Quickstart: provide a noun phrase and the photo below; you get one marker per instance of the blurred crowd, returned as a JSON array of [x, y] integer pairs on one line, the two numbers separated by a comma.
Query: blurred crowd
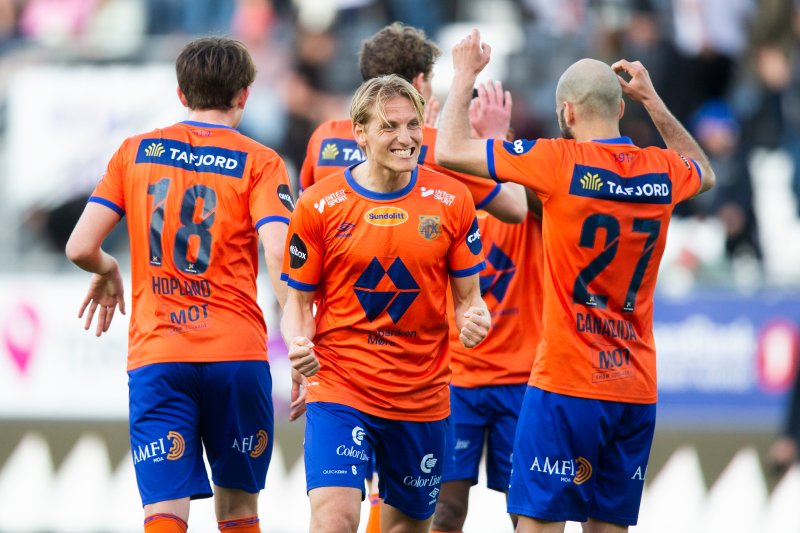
[[728, 69]]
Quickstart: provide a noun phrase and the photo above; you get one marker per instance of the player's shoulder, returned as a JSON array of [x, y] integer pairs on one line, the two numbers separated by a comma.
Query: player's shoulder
[[432, 179], [342, 128], [333, 183]]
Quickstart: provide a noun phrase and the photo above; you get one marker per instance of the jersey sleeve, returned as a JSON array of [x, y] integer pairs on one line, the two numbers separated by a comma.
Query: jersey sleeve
[[533, 163], [685, 175], [271, 197], [305, 252], [465, 256], [110, 191]]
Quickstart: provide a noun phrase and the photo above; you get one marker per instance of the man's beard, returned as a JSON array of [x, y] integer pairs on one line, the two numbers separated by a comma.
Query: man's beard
[[566, 131]]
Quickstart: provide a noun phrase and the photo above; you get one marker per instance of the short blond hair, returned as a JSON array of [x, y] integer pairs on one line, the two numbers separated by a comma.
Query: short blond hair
[[376, 92]]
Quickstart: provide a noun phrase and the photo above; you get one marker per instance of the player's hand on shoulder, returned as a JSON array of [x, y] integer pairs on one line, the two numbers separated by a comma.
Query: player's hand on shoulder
[[106, 293], [431, 114], [490, 111], [302, 356], [639, 87], [470, 55], [476, 326]]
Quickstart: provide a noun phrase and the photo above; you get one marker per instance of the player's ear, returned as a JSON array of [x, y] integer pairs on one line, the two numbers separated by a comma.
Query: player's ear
[[182, 97], [569, 113], [241, 98], [621, 109], [417, 81], [360, 133]]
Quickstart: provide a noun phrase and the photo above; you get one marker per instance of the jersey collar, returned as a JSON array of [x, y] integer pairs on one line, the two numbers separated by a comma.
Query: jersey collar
[[615, 140], [380, 196], [206, 125]]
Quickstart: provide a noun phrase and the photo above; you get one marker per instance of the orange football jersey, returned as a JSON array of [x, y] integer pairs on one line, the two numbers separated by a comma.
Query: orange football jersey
[[195, 195], [511, 286], [332, 147], [380, 265], [607, 206]]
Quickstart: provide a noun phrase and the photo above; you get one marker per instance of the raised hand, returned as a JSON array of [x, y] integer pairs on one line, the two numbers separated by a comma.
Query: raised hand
[[639, 87], [470, 55], [490, 112]]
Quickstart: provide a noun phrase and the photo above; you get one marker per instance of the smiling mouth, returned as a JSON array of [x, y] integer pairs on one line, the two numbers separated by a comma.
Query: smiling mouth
[[405, 152]]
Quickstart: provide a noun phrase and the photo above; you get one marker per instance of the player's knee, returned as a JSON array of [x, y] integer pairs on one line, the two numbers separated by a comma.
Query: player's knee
[[451, 512], [330, 519]]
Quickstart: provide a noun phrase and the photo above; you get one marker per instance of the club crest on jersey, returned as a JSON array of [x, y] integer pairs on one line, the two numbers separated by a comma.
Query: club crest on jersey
[[429, 227], [386, 216], [602, 184], [339, 153], [212, 159]]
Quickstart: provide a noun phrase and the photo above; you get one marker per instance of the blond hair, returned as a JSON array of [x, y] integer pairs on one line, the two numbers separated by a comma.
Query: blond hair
[[374, 93]]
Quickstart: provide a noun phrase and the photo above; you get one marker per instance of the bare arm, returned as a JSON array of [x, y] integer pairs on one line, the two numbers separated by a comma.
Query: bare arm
[[510, 204], [273, 238], [298, 328], [106, 289], [472, 316], [455, 148], [675, 136]]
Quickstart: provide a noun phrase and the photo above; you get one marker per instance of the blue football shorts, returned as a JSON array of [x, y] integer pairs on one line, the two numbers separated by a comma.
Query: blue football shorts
[[483, 415], [577, 458], [176, 409], [340, 440]]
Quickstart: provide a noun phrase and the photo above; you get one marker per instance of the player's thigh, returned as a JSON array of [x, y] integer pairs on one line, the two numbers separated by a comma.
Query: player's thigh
[[468, 420], [620, 482], [238, 423], [505, 403], [337, 446], [165, 403], [409, 458], [335, 509], [556, 449]]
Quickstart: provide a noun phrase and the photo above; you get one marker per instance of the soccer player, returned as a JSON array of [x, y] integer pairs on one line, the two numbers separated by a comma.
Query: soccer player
[[489, 381], [375, 249], [198, 196], [588, 416], [408, 53]]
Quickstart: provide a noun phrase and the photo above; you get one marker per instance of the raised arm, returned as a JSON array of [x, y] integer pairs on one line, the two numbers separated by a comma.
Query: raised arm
[[640, 89], [455, 148], [472, 316]]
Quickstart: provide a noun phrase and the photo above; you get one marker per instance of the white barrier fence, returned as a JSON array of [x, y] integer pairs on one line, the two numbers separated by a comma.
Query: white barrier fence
[[86, 495]]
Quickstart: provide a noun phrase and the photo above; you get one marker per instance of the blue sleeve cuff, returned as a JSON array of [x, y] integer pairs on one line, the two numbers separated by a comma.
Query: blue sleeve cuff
[[699, 172], [267, 220], [490, 158], [489, 197], [109, 204], [284, 276], [300, 286], [468, 271]]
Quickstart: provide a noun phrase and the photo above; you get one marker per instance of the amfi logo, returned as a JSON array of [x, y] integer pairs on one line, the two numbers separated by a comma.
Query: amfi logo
[[591, 182], [155, 150], [178, 446], [395, 302], [331, 151]]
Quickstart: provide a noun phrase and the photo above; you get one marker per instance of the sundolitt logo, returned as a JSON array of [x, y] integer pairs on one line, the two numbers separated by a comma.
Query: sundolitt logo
[[386, 216]]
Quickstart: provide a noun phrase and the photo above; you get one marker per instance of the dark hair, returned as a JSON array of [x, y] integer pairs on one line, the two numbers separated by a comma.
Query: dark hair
[[398, 49], [212, 70]]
